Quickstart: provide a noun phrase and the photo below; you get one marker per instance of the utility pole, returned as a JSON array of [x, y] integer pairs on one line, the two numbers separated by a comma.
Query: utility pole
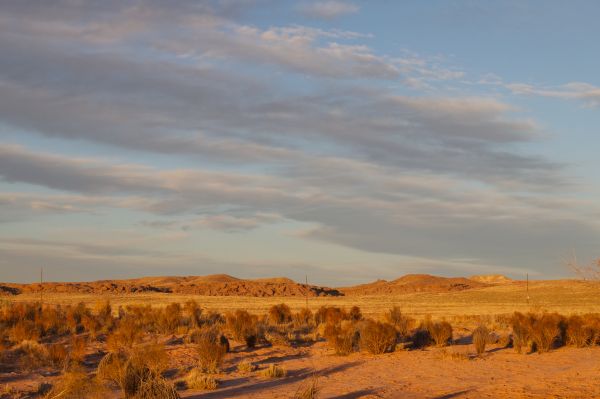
[[41, 287], [306, 281], [527, 288]]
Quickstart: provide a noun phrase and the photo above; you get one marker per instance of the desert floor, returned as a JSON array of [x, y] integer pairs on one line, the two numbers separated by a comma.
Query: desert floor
[[450, 372]]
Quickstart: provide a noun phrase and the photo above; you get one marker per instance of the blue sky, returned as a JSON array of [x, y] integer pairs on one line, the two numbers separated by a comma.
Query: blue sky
[[346, 140]]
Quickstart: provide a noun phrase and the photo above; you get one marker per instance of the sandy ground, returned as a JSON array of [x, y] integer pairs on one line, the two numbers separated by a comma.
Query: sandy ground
[[451, 372]]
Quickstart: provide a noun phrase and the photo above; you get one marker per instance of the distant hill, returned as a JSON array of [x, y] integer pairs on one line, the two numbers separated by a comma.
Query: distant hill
[[226, 285], [493, 279], [211, 285], [414, 283]]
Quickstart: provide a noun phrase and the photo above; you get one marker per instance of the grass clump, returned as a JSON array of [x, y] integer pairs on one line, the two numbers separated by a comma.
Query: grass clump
[[309, 390], [480, 338], [156, 387], [280, 314], [246, 366], [440, 332], [274, 371], [197, 380], [403, 324], [75, 384], [210, 350]]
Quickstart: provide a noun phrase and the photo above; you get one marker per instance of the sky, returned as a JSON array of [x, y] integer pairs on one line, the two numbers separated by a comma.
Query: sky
[[345, 141]]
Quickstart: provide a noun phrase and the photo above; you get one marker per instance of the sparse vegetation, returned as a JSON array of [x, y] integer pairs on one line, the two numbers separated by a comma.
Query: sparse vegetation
[[440, 332], [197, 380], [480, 338], [274, 371]]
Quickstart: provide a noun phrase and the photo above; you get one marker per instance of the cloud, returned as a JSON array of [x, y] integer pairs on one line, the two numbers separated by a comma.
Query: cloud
[[328, 9], [585, 92]]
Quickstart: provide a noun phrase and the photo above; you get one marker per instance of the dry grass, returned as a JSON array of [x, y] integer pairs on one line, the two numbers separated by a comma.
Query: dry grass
[[308, 390], [246, 366], [197, 380], [481, 336], [274, 371], [440, 332], [75, 384], [210, 351], [156, 387]]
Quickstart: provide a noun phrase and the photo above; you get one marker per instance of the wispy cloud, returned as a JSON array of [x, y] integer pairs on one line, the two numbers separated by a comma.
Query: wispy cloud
[[328, 9]]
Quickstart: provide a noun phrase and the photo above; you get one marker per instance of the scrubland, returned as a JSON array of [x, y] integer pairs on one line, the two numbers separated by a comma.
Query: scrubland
[[476, 343]]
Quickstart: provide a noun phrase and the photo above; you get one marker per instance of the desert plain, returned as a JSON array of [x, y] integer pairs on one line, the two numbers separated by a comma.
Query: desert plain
[[303, 339]]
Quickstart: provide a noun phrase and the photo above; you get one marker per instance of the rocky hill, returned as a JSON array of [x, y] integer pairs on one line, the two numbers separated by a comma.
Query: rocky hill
[[414, 283], [212, 285]]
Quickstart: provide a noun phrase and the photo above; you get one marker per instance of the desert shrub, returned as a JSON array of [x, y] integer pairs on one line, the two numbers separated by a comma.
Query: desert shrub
[[330, 315], [246, 366], [440, 332], [276, 338], [31, 355], [57, 355], [280, 314], [343, 338], [170, 318], [421, 338], [579, 333], [127, 334], [75, 384], [274, 371], [77, 349], [103, 310], [243, 327], [480, 338], [111, 368], [130, 371], [23, 330], [195, 379], [192, 313], [403, 324], [303, 318], [309, 390], [545, 330], [210, 351], [91, 325], [377, 337], [521, 331], [355, 314], [156, 387]]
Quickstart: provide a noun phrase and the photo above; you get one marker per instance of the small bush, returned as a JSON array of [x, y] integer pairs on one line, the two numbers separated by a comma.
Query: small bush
[[156, 387], [280, 314], [309, 390], [32, 355], [377, 337], [342, 338], [440, 332], [274, 371], [480, 338], [579, 333], [355, 314], [77, 349], [75, 384], [246, 366], [57, 355], [545, 331], [521, 331], [421, 338], [196, 380], [403, 324], [127, 334], [243, 327], [210, 351]]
